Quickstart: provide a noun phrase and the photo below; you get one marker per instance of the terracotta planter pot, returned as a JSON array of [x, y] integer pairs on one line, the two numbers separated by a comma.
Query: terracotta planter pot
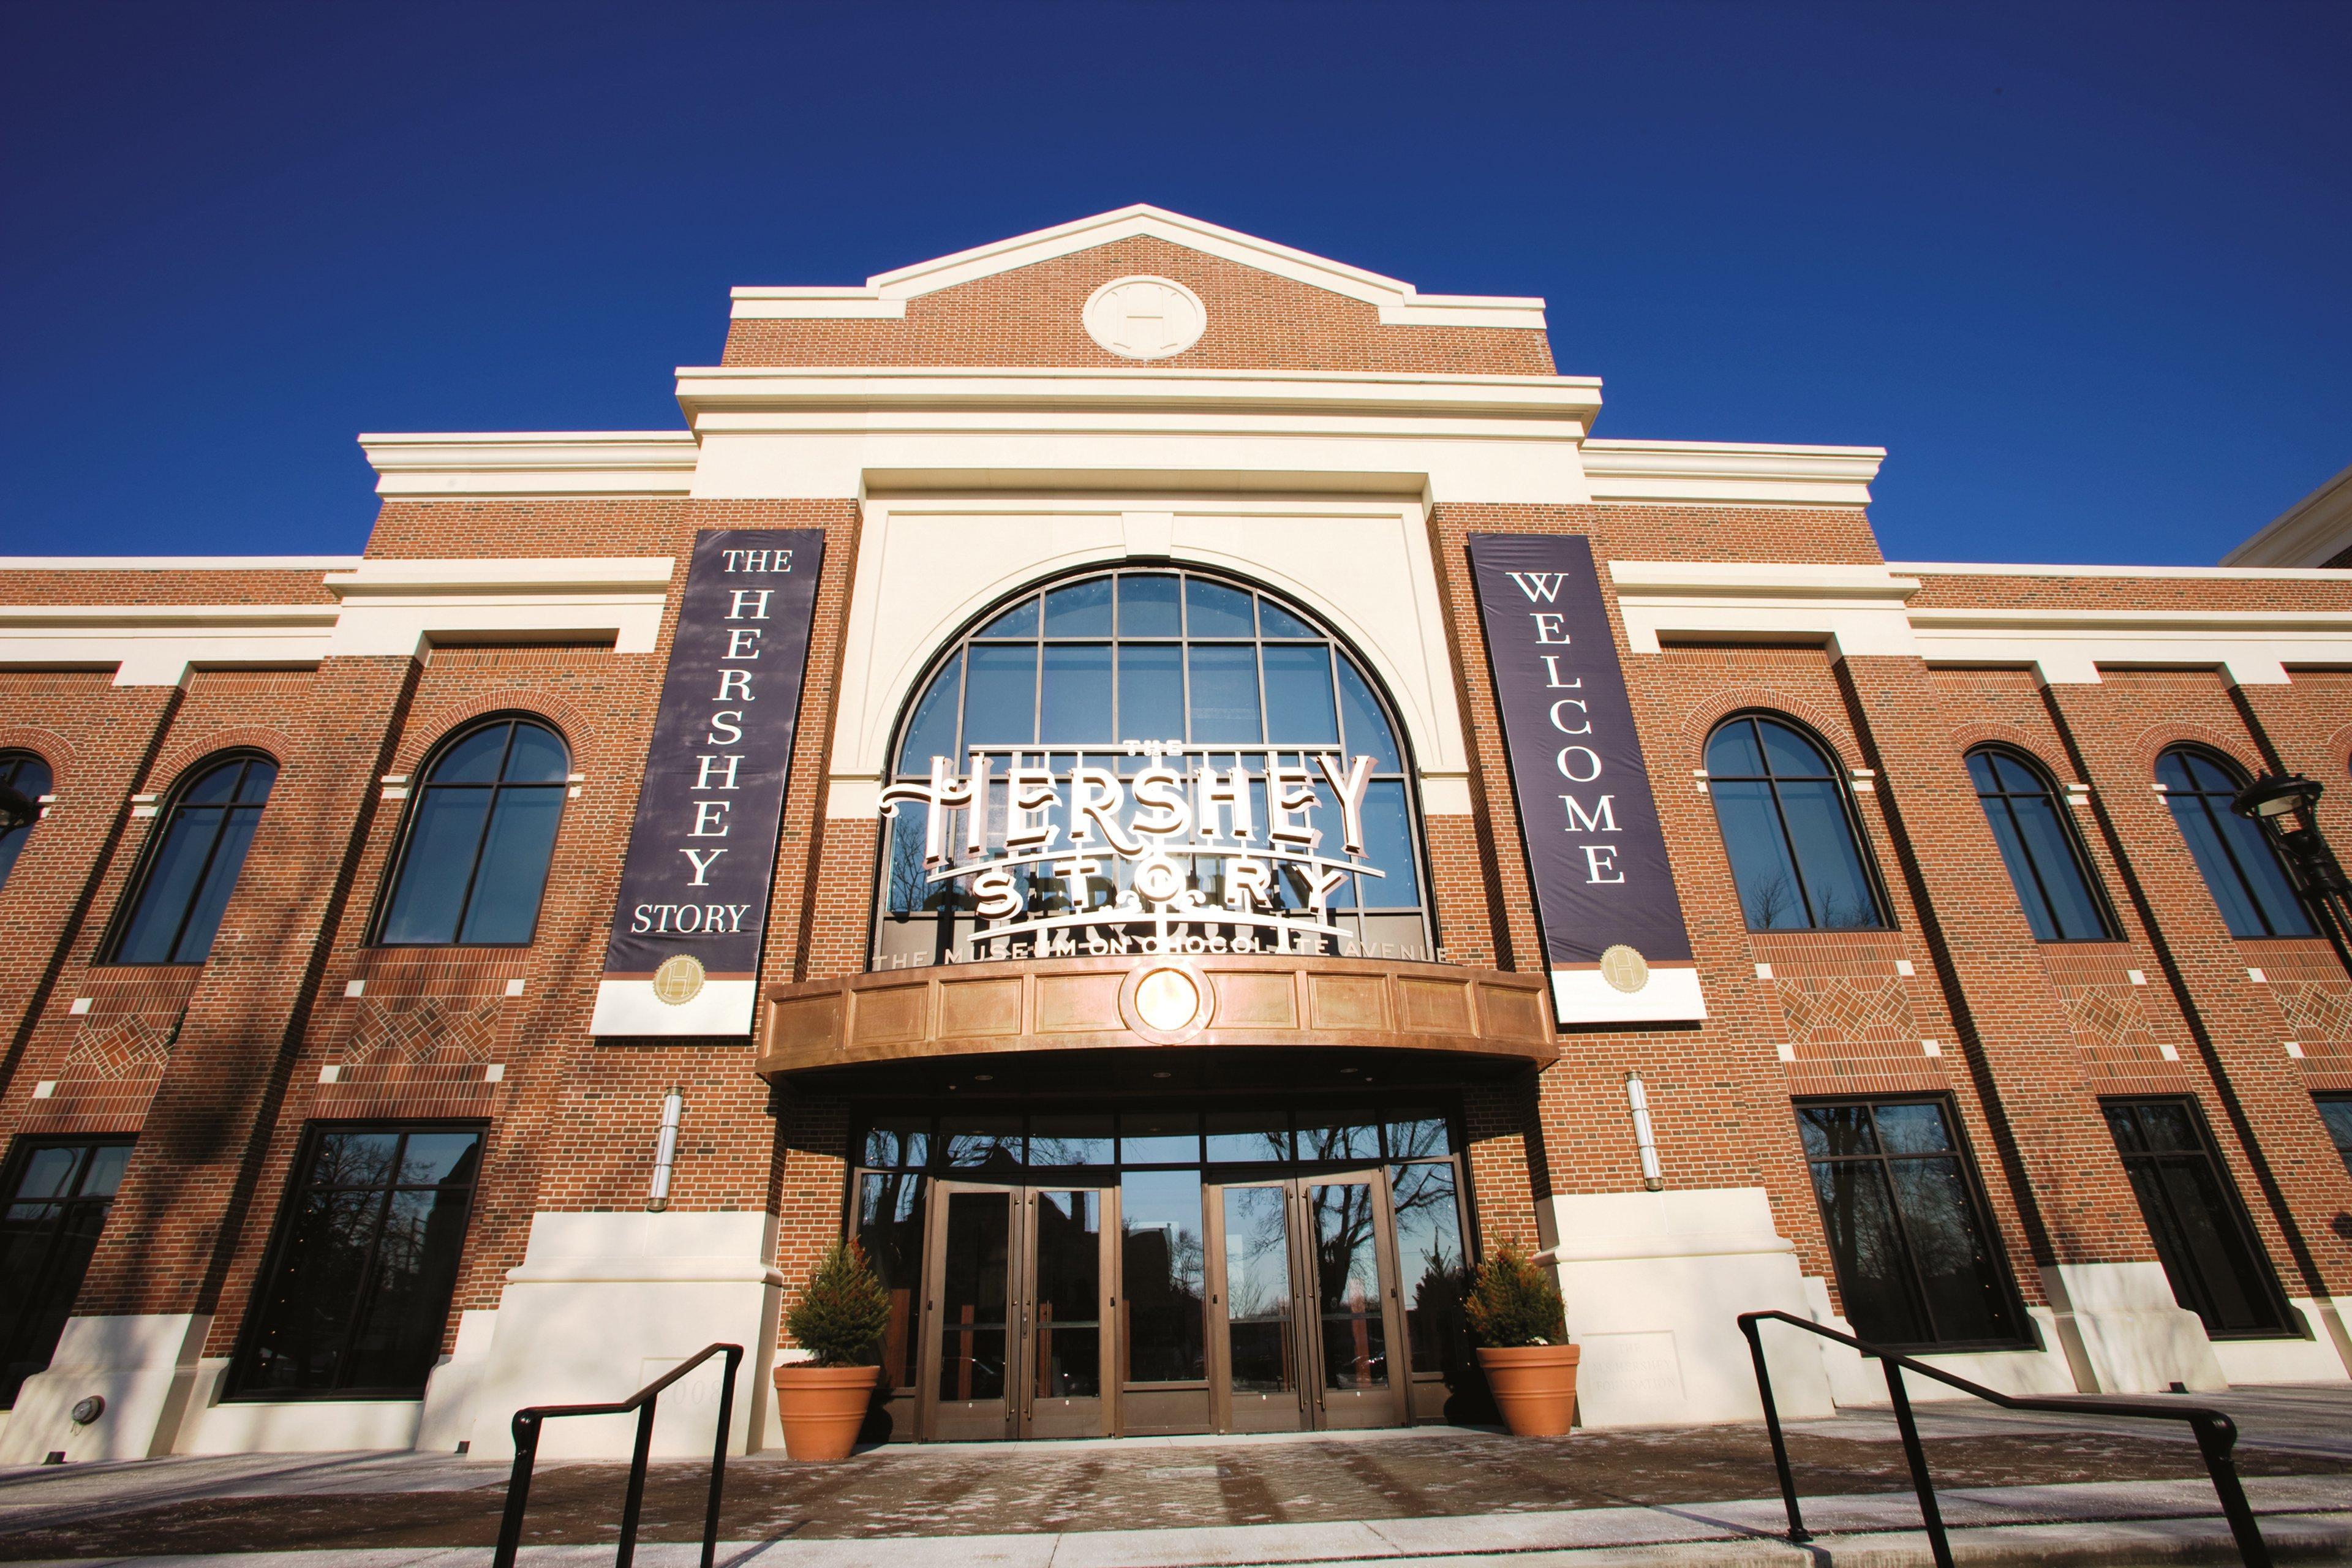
[[1535, 1386], [821, 1407]]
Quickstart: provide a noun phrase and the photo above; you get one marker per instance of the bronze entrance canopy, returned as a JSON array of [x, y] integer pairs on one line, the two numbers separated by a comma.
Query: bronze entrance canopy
[[1258, 1001]]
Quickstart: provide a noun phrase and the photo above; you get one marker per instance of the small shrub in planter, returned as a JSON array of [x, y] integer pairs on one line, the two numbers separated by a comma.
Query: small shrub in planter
[[839, 1320], [1515, 1315]]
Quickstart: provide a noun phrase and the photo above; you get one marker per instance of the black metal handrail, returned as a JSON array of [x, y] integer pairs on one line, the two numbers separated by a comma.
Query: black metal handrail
[[528, 1419], [2216, 1434]]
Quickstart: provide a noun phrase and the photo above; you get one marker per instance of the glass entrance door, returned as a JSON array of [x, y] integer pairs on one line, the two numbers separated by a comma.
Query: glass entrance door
[[1304, 1304], [1014, 1340]]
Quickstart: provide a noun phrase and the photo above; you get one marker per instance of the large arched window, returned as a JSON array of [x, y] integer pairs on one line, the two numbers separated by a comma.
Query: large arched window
[[191, 866], [29, 776], [2039, 845], [1789, 827], [1153, 655], [2240, 868], [474, 860]]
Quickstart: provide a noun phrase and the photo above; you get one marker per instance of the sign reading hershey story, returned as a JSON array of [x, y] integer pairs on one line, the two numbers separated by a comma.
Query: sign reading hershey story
[[684, 954], [1613, 927]]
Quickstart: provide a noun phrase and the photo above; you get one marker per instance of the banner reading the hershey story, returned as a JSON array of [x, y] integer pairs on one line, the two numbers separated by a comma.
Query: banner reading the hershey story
[[1605, 898], [693, 907]]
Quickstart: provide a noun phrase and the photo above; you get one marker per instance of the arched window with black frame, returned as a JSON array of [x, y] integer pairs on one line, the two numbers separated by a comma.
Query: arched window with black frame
[[1790, 828], [481, 835], [27, 778], [192, 862], [2041, 848], [2241, 868], [1153, 654]]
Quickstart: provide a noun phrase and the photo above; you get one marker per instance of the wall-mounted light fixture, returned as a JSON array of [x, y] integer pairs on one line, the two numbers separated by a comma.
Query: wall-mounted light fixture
[[665, 1152], [2287, 808], [1637, 1099]]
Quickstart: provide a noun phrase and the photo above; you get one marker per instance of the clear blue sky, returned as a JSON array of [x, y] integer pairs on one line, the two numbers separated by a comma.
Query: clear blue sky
[[2085, 271]]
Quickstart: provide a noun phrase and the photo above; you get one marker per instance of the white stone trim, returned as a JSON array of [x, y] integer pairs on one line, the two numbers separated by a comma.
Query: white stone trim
[[447, 466], [885, 294], [1730, 473], [2194, 574], [926, 565], [155, 644], [1857, 610], [2309, 532], [177, 563], [2068, 646], [399, 608]]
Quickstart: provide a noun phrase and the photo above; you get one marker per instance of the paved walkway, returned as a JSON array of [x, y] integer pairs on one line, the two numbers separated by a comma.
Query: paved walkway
[[2116, 1492]]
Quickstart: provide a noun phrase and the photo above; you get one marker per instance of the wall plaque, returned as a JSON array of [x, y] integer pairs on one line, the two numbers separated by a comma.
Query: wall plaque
[[684, 954], [1612, 925]]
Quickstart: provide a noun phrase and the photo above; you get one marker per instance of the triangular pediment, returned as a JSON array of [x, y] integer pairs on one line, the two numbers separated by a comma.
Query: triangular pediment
[[884, 296]]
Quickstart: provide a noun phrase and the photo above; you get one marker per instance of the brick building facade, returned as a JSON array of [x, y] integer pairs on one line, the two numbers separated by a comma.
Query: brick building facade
[[2046, 1101]]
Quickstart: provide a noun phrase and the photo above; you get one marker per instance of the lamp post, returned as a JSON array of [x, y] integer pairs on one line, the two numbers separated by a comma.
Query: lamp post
[[2285, 808]]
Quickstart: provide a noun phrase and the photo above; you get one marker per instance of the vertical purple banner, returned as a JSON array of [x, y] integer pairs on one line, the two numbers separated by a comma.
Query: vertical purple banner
[[1612, 925], [693, 909]]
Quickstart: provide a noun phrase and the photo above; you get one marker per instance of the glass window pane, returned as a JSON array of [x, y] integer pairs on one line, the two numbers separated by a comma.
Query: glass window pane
[[2014, 776], [1147, 607], [1080, 610], [2013, 858], [1258, 1290], [1224, 693], [171, 885], [932, 732], [1348, 1285], [259, 774], [1214, 610], [1769, 895], [355, 1160], [1160, 1237], [430, 1159], [1367, 732], [1388, 844], [1431, 1271], [2213, 1247], [2074, 906], [1916, 1129], [1299, 704], [900, 1142], [1068, 1284], [308, 1307], [1837, 886], [1160, 1137], [2172, 772], [1980, 770], [2267, 879], [1859, 1218], [1077, 692], [1836, 1129], [1019, 621], [474, 760], [433, 874], [1966, 1298], [47, 1172], [195, 941], [1000, 696], [505, 905], [975, 1296], [1341, 1137], [2335, 1111], [983, 1142], [1731, 752], [104, 1174], [1274, 621], [1071, 1140], [1152, 693], [1412, 1135], [397, 1336], [1243, 1136], [214, 786], [2238, 909], [2125, 1128], [2206, 774], [536, 757], [890, 1231], [1789, 756], [2167, 1124]]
